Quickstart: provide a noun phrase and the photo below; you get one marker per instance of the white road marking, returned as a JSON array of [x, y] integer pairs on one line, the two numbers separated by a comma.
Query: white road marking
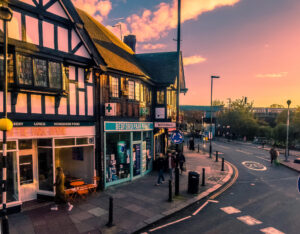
[[263, 159], [200, 208], [249, 220], [224, 147], [271, 230], [254, 165], [214, 201], [230, 210], [245, 152], [168, 224]]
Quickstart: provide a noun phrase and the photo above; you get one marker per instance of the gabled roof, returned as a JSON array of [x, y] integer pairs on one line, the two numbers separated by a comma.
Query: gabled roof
[[163, 67], [116, 54]]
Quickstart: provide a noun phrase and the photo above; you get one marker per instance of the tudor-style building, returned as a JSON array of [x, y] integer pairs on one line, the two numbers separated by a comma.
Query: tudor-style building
[[51, 96]]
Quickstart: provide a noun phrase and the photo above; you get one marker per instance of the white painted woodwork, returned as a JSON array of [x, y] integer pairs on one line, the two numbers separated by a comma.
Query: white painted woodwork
[[80, 78], [15, 26], [32, 32], [36, 104], [57, 9], [48, 35], [62, 39], [62, 110], [50, 105], [72, 88], [90, 100], [82, 52], [8, 102], [29, 2], [81, 102], [72, 75], [74, 39], [21, 106]]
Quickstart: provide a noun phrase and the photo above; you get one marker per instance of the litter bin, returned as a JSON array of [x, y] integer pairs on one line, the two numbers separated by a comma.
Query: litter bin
[[193, 182]]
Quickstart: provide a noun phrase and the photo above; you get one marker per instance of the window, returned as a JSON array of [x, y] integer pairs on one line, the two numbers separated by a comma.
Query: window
[[137, 91], [114, 87], [26, 172], [10, 68], [55, 75], [142, 93], [40, 72], [131, 90], [160, 97], [24, 70]]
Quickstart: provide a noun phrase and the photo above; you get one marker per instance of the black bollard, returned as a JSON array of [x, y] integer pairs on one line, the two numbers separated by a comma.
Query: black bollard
[[176, 181], [110, 215], [203, 176], [198, 148], [217, 156], [170, 191], [222, 164]]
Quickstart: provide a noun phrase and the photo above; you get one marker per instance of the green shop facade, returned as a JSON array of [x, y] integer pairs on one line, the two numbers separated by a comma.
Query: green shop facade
[[128, 150]]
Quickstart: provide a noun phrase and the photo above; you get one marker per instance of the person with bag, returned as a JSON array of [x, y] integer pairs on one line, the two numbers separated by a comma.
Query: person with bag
[[273, 154], [160, 163]]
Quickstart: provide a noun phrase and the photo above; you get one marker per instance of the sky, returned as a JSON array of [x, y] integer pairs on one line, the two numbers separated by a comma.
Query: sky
[[253, 45]]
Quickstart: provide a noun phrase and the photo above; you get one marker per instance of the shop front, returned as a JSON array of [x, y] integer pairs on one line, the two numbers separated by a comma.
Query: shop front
[[34, 153], [128, 150]]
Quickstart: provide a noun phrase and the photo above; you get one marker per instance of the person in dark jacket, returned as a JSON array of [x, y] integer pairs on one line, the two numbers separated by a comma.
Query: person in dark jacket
[[181, 161], [160, 163], [60, 196], [273, 154], [191, 144]]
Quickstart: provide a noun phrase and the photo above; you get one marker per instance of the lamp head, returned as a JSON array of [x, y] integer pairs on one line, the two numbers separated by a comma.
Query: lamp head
[[289, 102], [5, 13], [215, 77]]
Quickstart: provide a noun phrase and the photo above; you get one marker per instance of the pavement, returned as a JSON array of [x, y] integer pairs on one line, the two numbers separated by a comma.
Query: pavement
[[137, 204]]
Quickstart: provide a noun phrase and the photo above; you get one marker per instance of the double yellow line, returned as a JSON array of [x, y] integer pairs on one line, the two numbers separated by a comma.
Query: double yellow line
[[236, 175]]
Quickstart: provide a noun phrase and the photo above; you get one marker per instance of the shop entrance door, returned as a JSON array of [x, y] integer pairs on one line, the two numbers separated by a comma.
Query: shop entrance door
[[136, 158], [28, 180]]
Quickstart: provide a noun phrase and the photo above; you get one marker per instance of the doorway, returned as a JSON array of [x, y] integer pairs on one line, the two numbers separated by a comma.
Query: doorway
[[136, 158]]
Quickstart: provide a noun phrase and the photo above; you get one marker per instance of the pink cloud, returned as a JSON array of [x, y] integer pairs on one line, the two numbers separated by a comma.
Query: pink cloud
[[156, 24], [272, 75], [195, 59], [153, 46]]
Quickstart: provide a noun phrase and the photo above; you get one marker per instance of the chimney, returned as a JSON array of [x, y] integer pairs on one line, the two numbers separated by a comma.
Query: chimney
[[130, 40]]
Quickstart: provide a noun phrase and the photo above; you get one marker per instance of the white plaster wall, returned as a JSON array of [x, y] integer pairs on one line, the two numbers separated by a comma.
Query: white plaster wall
[[62, 34], [45, 2], [15, 26], [72, 75], [30, 2], [80, 78], [90, 100], [62, 110], [32, 32], [81, 103], [74, 39], [90, 78], [36, 104], [57, 10], [48, 35], [50, 105], [82, 52], [21, 106], [72, 88]]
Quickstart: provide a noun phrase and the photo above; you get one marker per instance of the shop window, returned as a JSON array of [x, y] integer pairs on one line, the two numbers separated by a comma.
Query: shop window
[[45, 169], [82, 141], [117, 156], [160, 97], [11, 145], [131, 90], [44, 142], [114, 87], [25, 144], [137, 91], [136, 136], [26, 172], [64, 142]]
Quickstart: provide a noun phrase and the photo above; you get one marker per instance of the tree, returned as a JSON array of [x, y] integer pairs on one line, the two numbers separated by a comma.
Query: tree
[[276, 106], [218, 103]]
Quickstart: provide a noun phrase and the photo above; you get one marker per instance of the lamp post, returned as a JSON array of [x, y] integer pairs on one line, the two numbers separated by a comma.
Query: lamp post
[[5, 123], [287, 131], [211, 94]]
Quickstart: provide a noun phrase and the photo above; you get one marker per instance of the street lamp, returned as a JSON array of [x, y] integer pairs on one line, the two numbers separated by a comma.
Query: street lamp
[[5, 124], [211, 94], [287, 131]]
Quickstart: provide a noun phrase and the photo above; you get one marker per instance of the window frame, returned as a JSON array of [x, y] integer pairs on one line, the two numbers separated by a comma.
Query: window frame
[[114, 93]]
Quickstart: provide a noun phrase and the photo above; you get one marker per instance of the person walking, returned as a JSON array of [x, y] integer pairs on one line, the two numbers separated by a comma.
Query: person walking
[[192, 144], [171, 164], [160, 163], [60, 196], [273, 154], [181, 160]]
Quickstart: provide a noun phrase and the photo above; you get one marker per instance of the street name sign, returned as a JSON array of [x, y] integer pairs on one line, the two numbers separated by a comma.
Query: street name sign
[[164, 124]]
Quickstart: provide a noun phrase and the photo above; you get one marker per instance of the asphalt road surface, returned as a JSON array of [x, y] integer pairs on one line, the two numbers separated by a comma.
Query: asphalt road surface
[[264, 199]]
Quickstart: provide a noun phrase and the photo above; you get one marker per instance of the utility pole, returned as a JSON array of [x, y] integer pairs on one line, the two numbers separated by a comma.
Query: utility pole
[[178, 69], [287, 131]]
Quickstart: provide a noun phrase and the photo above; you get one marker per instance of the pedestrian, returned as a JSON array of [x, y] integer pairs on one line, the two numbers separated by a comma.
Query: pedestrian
[[160, 163], [273, 154], [192, 144], [60, 196], [171, 164], [181, 159]]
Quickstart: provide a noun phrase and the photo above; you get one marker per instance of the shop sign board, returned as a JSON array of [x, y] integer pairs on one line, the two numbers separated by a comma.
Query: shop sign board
[[110, 109], [51, 124], [160, 113], [164, 124], [177, 137], [127, 126]]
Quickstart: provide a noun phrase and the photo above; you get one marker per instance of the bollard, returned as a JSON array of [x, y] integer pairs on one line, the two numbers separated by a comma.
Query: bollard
[[222, 164], [203, 176], [170, 191], [198, 148], [217, 156], [5, 226], [176, 181], [110, 215]]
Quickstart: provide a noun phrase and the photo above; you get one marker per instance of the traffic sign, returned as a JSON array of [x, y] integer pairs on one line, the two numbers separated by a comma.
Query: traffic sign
[[177, 137]]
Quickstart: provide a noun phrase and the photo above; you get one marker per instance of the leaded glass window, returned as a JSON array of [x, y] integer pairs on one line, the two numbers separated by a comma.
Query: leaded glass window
[[114, 87], [24, 70], [131, 90], [40, 72], [137, 91], [55, 75]]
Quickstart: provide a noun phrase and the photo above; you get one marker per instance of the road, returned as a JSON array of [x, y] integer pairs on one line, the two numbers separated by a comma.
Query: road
[[264, 199]]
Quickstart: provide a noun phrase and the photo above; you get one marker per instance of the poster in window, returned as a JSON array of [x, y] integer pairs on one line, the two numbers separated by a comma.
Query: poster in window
[[24, 70], [40, 72], [55, 75]]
